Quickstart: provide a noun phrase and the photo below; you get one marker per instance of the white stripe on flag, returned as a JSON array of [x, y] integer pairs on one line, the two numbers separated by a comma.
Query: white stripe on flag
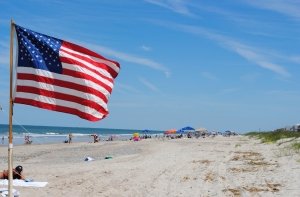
[[88, 64], [72, 92], [58, 102], [107, 62], [88, 72], [45, 73]]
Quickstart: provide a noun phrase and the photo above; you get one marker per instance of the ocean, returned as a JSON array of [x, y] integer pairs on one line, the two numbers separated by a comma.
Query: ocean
[[55, 134]]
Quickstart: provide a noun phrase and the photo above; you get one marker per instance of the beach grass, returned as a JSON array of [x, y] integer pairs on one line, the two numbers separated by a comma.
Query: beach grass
[[274, 136], [296, 146], [237, 145]]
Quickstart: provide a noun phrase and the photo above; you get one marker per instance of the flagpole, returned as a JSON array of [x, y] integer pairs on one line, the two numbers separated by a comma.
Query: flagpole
[[10, 138]]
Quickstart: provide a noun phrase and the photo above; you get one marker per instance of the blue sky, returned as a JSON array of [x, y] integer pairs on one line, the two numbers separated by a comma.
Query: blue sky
[[216, 64]]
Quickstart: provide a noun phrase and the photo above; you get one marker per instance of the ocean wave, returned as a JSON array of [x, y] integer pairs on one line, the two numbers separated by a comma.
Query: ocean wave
[[52, 133]]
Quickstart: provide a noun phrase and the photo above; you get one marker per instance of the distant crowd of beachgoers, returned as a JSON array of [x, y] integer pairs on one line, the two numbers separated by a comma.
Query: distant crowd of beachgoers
[[95, 138]]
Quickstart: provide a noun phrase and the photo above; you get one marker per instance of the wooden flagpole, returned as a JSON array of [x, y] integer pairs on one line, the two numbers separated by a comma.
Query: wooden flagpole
[[10, 139]]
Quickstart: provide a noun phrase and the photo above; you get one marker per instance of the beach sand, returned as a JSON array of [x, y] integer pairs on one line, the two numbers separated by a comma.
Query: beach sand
[[219, 166]]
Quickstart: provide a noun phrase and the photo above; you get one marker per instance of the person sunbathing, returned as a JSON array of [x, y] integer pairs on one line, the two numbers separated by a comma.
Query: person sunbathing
[[17, 173]]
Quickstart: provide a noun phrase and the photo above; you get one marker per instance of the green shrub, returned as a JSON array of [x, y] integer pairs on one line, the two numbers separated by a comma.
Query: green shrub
[[273, 136]]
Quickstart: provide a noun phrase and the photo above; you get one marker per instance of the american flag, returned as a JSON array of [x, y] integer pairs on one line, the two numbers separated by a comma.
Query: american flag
[[61, 76]]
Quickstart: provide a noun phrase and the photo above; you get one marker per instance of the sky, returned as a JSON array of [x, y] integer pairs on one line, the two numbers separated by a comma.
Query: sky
[[221, 65]]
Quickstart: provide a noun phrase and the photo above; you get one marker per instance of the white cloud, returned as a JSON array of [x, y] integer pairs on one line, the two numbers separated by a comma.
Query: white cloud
[[131, 58], [256, 56], [287, 7], [146, 48], [291, 58], [295, 59], [149, 85], [178, 6], [125, 88]]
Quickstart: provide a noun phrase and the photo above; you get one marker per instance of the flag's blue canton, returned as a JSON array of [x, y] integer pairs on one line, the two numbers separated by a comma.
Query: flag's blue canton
[[38, 50]]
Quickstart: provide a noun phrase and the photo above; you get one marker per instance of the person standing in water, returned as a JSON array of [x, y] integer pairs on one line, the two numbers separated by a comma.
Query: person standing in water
[[70, 138]]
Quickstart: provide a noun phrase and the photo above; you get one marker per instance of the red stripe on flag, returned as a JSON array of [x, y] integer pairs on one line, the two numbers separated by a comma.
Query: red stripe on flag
[[62, 96], [91, 61], [74, 62], [57, 108], [87, 77], [61, 83], [81, 49]]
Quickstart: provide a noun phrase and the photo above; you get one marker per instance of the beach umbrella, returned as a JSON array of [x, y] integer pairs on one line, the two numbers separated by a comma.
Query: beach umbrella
[[136, 134], [170, 131], [185, 129], [188, 129], [180, 131]]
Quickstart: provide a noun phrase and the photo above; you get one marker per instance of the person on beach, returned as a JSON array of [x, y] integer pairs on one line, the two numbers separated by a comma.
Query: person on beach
[[17, 173], [70, 138], [95, 137], [2, 139], [27, 139]]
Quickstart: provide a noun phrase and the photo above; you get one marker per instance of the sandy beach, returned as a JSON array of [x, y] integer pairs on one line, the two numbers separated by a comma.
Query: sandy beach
[[219, 166]]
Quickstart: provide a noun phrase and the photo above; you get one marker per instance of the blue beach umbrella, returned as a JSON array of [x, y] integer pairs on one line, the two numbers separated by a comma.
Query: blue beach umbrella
[[180, 131], [184, 129], [188, 129]]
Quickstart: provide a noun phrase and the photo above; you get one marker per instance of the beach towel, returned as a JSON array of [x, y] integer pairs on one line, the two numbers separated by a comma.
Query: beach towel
[[4, 192], [22, 183], [89, 159]]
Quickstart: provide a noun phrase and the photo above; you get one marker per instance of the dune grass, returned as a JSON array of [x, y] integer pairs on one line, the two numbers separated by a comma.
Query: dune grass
[[273, 136], [296, 146]]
